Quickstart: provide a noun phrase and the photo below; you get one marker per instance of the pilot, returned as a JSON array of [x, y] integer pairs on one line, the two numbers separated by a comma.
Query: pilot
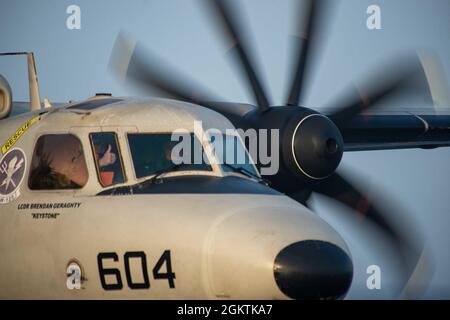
[[171, 160], [162, 159], [168, 152], [106, 159]]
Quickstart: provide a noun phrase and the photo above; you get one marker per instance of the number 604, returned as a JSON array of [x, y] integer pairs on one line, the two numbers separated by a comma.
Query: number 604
[[132, 284]]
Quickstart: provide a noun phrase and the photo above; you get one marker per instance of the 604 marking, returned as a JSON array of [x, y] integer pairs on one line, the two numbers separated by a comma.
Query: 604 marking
[[165, 259]]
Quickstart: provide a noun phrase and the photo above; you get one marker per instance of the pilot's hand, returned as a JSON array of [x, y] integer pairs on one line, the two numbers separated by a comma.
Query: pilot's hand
[[108, 158]]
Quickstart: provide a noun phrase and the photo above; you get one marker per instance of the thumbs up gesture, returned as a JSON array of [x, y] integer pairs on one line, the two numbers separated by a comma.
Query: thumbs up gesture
[[108, 158]]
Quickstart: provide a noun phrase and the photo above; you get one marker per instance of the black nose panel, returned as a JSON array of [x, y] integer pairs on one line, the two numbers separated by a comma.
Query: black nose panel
[[313, 269]]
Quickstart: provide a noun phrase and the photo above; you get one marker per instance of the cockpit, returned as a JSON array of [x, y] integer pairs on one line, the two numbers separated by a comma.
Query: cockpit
[[67, 161]]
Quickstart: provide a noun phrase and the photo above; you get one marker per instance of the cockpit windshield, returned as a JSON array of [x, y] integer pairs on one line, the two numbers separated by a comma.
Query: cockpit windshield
[[232, 155], [155, 152]]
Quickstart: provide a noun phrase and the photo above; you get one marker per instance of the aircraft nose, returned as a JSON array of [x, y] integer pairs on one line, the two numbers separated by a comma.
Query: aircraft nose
[[313, 269]]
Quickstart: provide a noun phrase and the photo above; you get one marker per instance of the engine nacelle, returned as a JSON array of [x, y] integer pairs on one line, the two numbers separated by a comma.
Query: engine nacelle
[[5, 98], [311, 146]]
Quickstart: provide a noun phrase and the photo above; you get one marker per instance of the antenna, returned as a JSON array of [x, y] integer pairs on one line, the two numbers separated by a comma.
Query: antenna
[[33, 84]]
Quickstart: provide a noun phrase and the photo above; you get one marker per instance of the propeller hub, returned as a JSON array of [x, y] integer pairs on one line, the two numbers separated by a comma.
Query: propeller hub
[[332, 146], [317, 146]]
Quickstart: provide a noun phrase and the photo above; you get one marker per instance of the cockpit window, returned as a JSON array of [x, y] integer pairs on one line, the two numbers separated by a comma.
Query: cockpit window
[[58, 163], [153, 153], [232, 154], [93, 104], [107, 158]]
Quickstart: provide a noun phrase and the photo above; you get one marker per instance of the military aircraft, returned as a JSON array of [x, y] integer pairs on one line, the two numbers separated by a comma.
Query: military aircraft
[[138, 234], [93, 207]]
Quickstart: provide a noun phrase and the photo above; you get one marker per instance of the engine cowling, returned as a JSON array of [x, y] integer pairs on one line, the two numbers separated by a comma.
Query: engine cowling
[[311, 145], [5, 98], [316, 147]]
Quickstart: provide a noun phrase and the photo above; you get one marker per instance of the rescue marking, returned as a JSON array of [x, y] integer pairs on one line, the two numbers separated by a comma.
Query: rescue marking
[[16, 136]]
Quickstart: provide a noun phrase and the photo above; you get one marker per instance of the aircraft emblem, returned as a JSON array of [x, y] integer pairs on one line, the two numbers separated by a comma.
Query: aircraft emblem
[[12, 170]]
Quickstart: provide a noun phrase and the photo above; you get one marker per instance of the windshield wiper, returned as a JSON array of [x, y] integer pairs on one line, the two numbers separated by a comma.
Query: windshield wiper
[[159, 173], [247, 173]]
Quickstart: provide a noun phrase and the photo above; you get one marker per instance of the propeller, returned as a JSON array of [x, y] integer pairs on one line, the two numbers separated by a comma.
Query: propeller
[[308, 32], [388, 81], [135, 63], [311, 143], [231, 30], [409, 252]]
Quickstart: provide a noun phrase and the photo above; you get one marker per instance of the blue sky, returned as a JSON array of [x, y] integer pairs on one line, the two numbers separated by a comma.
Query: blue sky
[[72, 64]]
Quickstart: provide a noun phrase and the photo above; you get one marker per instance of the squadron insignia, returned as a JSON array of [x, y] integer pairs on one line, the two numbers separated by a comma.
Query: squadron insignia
[[12, 171]]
